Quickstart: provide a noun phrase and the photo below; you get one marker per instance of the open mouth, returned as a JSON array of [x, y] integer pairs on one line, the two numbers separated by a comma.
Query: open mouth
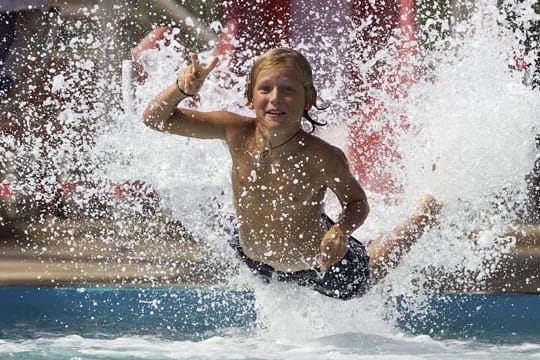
[[276, 113]]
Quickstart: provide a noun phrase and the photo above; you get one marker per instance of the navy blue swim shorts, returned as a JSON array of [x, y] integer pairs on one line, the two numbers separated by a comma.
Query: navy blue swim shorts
[[347, 278]]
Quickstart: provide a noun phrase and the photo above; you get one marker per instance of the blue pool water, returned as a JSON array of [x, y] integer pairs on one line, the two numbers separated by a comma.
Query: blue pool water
[[218, 323], [182, 313]]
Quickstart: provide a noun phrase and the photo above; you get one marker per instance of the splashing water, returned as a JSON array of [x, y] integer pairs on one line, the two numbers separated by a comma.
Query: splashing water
[[472, 121]]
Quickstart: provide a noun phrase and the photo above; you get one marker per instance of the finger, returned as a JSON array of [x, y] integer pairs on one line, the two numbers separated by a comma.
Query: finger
[[332, 254], [325, 262], [205, 70], [211, 65], [195, 62], [190, 78], [326, 255]]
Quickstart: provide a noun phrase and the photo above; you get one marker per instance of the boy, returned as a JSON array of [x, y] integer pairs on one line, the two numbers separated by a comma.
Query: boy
[[280, 175]]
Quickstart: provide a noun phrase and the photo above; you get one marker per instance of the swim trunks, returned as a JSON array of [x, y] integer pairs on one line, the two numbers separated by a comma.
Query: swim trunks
[[347, 278]]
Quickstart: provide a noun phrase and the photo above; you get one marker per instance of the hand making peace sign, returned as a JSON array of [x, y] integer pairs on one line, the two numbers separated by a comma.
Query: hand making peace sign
[[191, 78]]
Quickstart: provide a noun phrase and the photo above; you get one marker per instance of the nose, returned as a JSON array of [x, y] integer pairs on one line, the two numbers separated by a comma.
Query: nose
[[275, 94]]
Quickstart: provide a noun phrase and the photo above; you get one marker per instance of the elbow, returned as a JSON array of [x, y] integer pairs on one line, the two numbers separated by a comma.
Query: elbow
[[149, 119], [363, 210], [366, 210]]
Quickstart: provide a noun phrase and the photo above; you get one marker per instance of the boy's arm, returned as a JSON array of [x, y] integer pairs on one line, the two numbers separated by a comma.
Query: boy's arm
[[355, 209], [162, 113], [349, 192]]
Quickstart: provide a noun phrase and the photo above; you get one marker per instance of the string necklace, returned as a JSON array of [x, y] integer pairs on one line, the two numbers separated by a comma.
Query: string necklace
[[266, 151]]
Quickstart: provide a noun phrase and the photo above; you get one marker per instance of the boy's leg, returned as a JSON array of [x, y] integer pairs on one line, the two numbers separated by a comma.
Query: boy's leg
[[527, 235], [387, 250]]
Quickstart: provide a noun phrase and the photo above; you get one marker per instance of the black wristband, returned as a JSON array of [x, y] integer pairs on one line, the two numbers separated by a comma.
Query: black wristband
[[182, 91]]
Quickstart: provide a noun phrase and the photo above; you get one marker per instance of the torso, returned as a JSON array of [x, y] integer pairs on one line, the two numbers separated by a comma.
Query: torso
[[276, 199]]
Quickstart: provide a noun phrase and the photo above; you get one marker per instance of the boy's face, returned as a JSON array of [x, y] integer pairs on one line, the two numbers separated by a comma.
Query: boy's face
[[279, 98]]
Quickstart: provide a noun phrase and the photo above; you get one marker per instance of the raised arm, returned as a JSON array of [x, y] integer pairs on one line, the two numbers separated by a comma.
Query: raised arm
[[163, 114]]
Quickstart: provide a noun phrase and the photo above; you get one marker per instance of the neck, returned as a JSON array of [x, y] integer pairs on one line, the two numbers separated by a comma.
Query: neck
[[282, 143]]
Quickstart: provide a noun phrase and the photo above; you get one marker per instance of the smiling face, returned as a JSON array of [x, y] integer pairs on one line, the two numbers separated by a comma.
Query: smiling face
[[285, 70], [279, 98]]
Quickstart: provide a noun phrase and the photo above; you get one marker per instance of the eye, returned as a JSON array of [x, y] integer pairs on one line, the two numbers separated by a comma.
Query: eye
[[289, 89], [264, 89]]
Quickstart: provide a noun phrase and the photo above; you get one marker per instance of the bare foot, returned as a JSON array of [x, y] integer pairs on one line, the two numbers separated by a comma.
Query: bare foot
[[427, 204]]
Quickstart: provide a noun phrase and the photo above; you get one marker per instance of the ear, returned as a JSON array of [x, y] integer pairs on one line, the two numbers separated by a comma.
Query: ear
[[310, 99], [250, 105], [308, 103]]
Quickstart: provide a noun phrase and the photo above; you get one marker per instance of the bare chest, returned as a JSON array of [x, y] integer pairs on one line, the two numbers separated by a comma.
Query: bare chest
[[278, 183]]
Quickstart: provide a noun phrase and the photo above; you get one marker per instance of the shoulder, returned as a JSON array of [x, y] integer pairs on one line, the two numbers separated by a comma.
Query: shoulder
[[330, 161], [326, 152], [332, 168], [240, 128]]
